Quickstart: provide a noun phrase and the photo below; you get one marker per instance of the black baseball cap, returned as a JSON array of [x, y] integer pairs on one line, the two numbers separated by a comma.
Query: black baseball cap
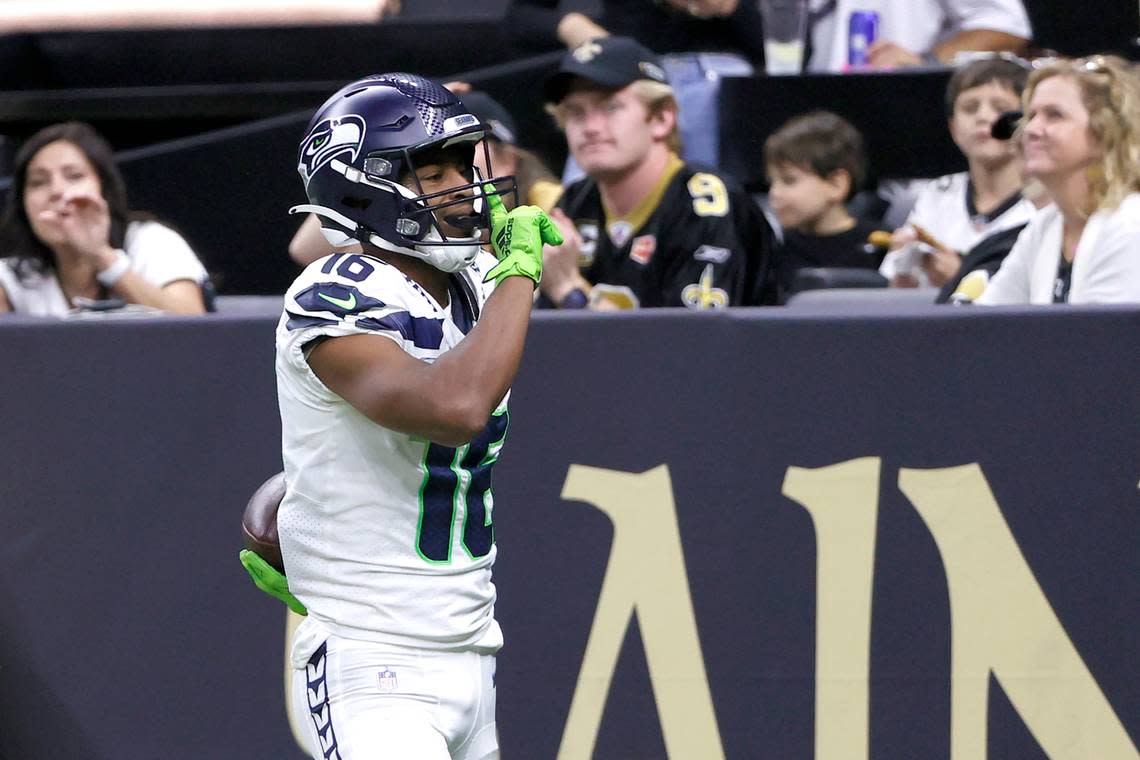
[[492, 113], [608, 61]]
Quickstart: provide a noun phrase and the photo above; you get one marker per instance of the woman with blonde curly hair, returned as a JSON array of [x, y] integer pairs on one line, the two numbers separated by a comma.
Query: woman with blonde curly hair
[[1080, 137]]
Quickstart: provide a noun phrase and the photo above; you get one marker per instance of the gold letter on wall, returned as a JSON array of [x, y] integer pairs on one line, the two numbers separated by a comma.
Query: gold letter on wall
[[843, 501], [1002, 622], [646, 575]]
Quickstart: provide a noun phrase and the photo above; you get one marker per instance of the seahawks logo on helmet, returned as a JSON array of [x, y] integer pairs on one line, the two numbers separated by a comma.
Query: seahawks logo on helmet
[[328, 140]]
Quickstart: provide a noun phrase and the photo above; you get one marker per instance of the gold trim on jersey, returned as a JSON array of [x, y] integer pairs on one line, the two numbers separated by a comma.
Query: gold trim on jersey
[[636, 219]]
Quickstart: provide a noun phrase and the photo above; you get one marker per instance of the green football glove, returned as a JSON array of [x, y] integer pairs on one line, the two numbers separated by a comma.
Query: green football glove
[[266, 578], [517, 239]]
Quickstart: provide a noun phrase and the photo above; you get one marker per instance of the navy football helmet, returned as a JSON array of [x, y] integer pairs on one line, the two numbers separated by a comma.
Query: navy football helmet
[[365, 139]]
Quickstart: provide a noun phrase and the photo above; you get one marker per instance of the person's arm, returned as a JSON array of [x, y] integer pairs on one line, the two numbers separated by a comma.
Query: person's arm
[[86, 223], [941, 263], [1112, 268], [309, 244], [534, 24], [561, 275], [884, 54], [5, 305], [575, 28], [178, 297], [979, 40], [705, 8], [448, 401]]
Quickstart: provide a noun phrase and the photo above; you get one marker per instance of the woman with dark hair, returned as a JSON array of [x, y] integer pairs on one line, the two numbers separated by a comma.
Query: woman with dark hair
[[67, 235]]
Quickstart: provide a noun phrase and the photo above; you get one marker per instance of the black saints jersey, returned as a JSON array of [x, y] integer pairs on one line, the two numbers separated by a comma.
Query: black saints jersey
[[694, 241]]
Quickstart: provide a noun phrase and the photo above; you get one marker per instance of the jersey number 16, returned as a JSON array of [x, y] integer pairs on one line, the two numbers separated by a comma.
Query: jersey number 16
[[459, 476]]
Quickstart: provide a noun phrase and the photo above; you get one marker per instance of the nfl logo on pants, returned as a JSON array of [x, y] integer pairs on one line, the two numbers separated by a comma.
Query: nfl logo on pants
[[387, 678]]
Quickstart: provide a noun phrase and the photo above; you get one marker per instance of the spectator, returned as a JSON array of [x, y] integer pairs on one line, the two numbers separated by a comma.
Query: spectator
[[1080, 138], [982, 261], [309, 243], [70, 237], [702, 41], [918, 32], [536, 184], [952, 214], [643, 228], [815, 164]]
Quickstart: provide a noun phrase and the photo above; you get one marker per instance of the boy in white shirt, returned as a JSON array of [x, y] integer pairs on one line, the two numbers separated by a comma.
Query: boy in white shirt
[[954, 213]]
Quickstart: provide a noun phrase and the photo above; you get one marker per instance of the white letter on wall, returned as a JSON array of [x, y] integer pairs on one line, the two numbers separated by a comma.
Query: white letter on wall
[[1002, 622], [646, 575], [843, 501]]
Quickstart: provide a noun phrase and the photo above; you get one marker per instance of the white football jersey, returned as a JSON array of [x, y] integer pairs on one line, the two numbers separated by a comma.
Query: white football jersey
[[385, 537], [944, 209]]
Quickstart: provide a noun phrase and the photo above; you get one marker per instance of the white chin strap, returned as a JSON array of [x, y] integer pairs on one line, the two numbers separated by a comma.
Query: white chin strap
[[447, 258]]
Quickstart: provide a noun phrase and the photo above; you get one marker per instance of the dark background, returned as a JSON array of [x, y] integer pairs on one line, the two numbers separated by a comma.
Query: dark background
[[129, 629]]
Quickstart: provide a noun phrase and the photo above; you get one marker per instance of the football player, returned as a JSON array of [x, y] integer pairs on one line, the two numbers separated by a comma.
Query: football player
[[644, 228], [393, 370]]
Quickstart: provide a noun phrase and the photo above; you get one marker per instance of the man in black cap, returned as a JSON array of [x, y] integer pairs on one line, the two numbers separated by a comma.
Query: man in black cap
[[643, 228], [701, 42]]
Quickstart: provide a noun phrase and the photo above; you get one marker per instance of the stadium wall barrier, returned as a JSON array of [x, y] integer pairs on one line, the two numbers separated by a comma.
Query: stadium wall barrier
[[754, 534]]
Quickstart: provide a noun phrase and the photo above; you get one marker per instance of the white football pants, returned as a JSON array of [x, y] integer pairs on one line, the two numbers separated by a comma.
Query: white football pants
[[359, 700]]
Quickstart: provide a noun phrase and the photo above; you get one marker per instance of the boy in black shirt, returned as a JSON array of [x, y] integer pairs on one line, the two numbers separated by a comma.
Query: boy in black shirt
[[814, 164]]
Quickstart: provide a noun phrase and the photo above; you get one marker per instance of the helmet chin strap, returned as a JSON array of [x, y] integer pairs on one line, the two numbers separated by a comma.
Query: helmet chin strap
[[447, 258]]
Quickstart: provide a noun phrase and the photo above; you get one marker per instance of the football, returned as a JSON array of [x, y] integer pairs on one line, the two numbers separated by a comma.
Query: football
[[259, 523]]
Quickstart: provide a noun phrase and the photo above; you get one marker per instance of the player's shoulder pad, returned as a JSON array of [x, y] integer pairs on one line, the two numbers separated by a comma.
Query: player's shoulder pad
[[344, 283]]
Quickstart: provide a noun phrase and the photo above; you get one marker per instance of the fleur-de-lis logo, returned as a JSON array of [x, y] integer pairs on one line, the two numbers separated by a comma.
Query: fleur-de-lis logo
[[702, 294], [586, 52]]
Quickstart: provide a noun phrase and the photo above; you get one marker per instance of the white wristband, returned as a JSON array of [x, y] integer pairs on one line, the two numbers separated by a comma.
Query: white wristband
[[112, 274]]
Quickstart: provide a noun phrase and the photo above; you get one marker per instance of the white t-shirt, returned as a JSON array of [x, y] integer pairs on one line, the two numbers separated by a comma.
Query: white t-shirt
[[386, 537], [157, 253], [916, 25], [944, 209], [1106, 267]]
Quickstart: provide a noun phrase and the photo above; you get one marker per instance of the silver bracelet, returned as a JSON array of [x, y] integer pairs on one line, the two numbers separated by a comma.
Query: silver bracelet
[[112, 274]]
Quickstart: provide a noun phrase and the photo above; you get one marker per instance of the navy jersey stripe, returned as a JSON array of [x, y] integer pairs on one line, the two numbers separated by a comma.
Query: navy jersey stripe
[[423, 332], [300, 321], [464, 310]]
